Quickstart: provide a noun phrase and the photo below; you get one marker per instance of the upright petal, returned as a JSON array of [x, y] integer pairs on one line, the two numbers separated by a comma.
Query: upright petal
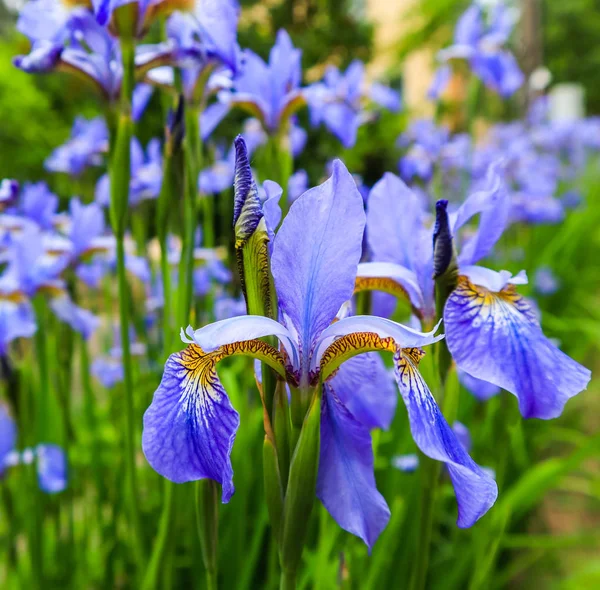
[[495, 336], [393, 214], [475, 490], [346, 480], [316, 254]]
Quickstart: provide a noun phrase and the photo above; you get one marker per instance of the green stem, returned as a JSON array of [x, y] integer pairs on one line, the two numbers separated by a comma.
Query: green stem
[[92, 426], [41, 415], [430, 471], [207, 513], [120, 173], [163, 538], [287, 581]]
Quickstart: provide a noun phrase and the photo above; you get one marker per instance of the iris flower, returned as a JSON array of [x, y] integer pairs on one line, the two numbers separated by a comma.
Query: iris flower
[[482, 45], [269, 91], [51, 463], [338, 101], [190, 426], [146, 175], [88, 141], [492, 332], [399, 235], [73, 41]]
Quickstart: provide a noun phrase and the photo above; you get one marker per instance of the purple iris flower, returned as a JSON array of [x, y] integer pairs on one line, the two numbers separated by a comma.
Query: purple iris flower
[[493, 334], [425, 142], [399, 234], [269, 91], [108, 369], [88, 141], [190, 427], [482, 45], [338, 101], [73, 41], [37, 203], [35, 261], [146, 175], [51, 462]]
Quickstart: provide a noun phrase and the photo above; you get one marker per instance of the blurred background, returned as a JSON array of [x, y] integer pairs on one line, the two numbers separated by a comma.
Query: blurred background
[[549, 520]]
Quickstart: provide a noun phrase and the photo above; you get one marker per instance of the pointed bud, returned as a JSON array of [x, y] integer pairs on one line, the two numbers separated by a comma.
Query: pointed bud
[[442, 240], [247, 208], [445, 273]]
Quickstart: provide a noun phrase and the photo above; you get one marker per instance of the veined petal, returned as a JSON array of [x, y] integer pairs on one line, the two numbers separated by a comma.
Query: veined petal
[[240, 328], [495, 336], [390, 278], [190, 425], [316, 253], [475, 490], [346, 480], [366, 388], [357, 334]]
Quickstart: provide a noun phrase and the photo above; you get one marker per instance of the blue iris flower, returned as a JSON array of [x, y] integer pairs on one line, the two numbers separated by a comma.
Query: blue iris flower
[[482, 45], [314, 260]]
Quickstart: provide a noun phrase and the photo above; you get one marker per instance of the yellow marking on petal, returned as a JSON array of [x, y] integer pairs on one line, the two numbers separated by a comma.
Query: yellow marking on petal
[[346, 347], [194, 359], [13, 297], [387, 285], [483, 297]]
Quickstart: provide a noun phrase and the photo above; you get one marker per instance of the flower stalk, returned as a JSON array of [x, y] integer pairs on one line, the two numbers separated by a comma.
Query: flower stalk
[[120, 172]]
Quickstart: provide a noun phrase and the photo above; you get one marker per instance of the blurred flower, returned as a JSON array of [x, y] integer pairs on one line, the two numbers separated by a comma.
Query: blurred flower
[[73, 41], [482, 46], [338, 101], [88, 141], [482, 390], [545, 281], [146, 175], [9, 191], [269, 91]]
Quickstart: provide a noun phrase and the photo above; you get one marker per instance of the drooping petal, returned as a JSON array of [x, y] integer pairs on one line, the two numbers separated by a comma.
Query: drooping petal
[[495, 336], [51, 468], [366, 388], [346, 481], [357, 334], [316, 253], [190, 425], [475, 490]]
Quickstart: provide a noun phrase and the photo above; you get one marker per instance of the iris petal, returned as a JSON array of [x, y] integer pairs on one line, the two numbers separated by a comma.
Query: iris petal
[[316, 253], [346, 482], [496, 337], [366, 388], [190, 425], [475, 490]]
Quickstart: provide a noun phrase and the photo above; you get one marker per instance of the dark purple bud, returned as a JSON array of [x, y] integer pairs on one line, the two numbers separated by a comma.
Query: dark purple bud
[[247, 208], [442, 240]]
